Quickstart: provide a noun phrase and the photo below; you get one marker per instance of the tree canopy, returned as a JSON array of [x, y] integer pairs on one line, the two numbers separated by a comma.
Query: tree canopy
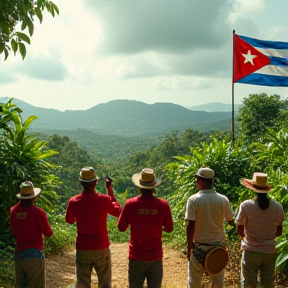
[[16, 16], [260, 113]]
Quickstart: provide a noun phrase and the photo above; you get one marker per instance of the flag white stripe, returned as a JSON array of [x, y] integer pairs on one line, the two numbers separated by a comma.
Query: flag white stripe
[[274, 52], [273, 70]]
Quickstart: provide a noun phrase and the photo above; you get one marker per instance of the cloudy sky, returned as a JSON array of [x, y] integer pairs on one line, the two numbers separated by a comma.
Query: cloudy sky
[[177, 51]]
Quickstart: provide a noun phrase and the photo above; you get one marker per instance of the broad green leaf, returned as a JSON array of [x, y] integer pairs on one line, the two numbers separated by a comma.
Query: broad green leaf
[[23, 37], [22, 50], [30, 26], [55, 7], [23, 25], [2, 47], [39, 3], [14, 45], [49, 153], [39, 14], [279, 245], [29, 121], [282, 260], [6, 53]]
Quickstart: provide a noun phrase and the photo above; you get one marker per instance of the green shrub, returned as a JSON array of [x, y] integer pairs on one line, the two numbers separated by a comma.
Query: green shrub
[[115, 236], [63, 235]]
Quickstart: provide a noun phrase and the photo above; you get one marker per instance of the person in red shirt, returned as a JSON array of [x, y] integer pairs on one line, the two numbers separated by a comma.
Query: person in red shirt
[[27, 224], [89, 210], [147, 216]]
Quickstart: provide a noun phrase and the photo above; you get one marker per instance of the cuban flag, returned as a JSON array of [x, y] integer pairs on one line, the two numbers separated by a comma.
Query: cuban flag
[[260, 62]]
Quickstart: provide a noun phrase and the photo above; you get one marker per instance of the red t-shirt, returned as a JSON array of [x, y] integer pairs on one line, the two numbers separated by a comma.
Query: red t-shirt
[[27, 224], [89, 210], [147, 217]]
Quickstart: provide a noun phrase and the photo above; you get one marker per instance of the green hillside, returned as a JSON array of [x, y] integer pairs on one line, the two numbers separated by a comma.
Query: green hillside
[[127, 118]]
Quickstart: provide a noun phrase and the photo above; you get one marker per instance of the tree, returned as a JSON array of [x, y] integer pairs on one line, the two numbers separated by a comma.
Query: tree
[[67, 165], [20, 13], [23, 157], [259, 113]]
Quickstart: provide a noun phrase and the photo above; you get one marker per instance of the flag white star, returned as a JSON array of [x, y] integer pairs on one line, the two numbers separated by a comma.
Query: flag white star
[[248, 57]]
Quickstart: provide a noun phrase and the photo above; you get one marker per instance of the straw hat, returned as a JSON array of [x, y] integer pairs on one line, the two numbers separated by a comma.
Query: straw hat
[[28, 191], [87, 174], [205, 172], [145, 179], [258, 183]]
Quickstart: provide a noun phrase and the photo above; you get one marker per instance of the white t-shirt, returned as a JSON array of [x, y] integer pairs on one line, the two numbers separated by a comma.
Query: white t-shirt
[[209, 210], [259, 225]]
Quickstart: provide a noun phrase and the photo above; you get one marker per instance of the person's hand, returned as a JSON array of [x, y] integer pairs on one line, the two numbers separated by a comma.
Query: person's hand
[[189, 250], [109, 188], [108, 181]]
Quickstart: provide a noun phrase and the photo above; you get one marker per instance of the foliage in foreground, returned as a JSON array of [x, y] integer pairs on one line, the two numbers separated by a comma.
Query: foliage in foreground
[[231, 162], [23, 157], [15, 14]]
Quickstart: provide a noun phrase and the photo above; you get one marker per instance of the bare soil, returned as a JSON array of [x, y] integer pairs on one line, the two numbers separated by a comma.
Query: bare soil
[[60, 270]]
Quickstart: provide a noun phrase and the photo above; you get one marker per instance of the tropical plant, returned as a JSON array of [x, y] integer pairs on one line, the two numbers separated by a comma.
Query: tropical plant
[[15, 14], [7, 110], [229, 162], [23, 157]]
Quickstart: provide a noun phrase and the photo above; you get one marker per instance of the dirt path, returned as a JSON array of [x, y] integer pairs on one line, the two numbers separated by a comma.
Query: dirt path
[[61, 270]]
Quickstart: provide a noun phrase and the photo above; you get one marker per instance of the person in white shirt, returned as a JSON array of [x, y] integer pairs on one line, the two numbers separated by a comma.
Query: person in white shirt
[[206, 212]]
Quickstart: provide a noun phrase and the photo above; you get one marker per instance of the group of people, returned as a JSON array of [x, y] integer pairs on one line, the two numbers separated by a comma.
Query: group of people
[[259, 222]]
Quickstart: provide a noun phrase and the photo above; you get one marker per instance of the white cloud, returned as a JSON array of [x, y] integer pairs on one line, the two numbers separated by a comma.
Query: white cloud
[[133, 26], [182, 83], [176, 51]]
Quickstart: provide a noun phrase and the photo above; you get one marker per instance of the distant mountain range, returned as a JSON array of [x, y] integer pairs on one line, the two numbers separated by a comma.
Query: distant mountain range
[[216, 106], [129, 118]]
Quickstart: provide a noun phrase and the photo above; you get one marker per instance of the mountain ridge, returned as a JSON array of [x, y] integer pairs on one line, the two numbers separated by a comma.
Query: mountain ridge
[[125, 117]]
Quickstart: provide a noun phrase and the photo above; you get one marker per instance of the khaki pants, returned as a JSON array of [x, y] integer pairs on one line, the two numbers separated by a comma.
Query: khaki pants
[[196, 272], [30, 273], [152, 271], [100, 260], [256, 262]]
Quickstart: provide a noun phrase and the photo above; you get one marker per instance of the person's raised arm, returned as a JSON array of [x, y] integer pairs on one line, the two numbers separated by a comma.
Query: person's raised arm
[[109, 188]]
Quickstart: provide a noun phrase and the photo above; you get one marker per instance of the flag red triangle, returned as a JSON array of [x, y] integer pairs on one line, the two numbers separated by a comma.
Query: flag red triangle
[[243, 55]]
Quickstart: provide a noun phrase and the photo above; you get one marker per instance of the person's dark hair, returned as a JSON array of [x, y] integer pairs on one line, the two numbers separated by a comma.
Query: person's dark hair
[[28, 202], [146, 192], [207, 181], [263, 201], [88, 185]]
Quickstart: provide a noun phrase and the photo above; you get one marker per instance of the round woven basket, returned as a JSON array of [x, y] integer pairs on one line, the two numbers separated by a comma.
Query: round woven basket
[[216, 260]]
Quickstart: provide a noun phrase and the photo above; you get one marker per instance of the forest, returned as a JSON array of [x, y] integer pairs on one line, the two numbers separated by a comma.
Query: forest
[[52, 162]]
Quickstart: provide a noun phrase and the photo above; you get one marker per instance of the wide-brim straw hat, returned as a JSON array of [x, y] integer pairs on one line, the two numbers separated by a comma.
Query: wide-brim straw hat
[[87, 174], [145, 179], [28, 191], [258, 183]]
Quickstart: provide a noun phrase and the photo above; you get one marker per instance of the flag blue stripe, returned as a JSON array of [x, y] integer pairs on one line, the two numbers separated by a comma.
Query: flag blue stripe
[[278, 61], [265, 44], [265, 80]]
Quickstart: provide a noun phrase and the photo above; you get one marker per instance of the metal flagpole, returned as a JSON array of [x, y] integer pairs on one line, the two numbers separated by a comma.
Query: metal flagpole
[[233, 126]]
